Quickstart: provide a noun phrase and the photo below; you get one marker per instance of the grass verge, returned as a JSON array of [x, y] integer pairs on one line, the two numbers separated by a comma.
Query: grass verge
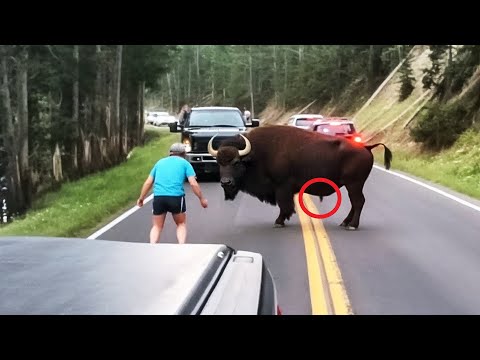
[[77, 209], [457, 168]]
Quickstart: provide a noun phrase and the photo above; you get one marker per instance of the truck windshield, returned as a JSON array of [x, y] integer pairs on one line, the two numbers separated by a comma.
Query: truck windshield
[[205, 118]]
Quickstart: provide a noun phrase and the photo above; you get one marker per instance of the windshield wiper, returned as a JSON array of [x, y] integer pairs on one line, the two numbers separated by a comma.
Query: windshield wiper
[[235, 126]]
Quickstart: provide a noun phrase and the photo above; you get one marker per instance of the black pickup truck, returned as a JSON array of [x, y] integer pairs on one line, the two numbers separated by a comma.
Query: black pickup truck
[[204, 123]]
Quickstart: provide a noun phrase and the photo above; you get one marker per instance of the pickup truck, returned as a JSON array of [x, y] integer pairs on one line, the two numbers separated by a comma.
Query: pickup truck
[[71, 276], [204, 123]]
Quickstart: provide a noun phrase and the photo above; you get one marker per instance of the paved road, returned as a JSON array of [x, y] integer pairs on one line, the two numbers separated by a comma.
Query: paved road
[[417, 252], [246, 224]]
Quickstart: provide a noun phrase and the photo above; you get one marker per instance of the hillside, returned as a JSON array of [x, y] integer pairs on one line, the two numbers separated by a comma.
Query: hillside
[[382, 117]]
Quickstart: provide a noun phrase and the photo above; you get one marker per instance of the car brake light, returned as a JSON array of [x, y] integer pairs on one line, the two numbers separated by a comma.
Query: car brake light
[[279, 311], [357, 139]]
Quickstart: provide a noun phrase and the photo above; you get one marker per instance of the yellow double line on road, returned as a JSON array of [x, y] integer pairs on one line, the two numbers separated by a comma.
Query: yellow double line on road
[[327, 291]]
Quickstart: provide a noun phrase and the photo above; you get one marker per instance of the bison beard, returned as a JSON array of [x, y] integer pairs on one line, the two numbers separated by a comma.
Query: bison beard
[[274, 162]]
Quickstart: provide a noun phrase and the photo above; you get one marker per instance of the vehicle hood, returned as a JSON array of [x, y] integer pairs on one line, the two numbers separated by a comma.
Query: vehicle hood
[[209, 132], [199, 137]]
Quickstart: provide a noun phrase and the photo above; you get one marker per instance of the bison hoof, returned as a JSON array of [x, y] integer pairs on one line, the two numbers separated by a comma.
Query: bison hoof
[[350, 228]]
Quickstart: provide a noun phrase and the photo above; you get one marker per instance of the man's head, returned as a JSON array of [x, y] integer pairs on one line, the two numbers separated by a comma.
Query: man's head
[[178, 149]]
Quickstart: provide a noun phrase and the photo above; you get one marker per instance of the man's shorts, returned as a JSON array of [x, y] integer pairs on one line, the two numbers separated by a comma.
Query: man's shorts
[[173, 204]]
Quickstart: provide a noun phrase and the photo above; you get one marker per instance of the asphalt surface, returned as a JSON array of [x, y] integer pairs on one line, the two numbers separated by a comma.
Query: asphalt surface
[[245, 224], [416, 252]]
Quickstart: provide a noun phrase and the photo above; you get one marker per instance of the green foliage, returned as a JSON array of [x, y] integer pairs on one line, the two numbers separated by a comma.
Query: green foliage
[[442, 125], [407, 80], [458, 167], [148, 62], [78, 207], [292, 74], [431, 74], [462, 69], [99, 128], [445, 122]]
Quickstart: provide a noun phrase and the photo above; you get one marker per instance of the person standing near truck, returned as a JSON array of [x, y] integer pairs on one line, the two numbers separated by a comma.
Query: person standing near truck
[[184, 114]]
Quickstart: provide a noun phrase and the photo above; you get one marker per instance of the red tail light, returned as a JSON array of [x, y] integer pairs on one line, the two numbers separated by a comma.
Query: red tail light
[[357, 139], [279, 311]]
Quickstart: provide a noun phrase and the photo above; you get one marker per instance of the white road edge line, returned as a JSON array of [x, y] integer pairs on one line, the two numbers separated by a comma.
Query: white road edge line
[[122, 217], [438, 191]]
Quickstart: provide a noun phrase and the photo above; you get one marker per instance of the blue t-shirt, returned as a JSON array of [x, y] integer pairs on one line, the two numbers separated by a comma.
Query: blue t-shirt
[[169, 174]]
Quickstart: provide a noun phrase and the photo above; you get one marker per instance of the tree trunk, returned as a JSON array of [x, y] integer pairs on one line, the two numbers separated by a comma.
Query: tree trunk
[[22, 118], [170, 92], [176, 78], [400, 52], [251, 84], [285, 80], [57, 165], [141, 120], [197, 59], [213, 83], [97, 113], [370, 75], [98, 92], [275, 75], [15, 197], [117, 81], [189, 79], [76, 60]]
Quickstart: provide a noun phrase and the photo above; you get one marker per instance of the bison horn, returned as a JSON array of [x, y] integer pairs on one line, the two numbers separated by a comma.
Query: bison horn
[[248, 147], [210, 147]]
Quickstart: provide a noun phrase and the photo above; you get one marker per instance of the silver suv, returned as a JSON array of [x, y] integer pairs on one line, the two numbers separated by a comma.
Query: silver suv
[[45, 275]]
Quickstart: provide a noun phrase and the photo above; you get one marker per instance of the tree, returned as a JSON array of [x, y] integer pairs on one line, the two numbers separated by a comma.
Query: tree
[[407, 80]]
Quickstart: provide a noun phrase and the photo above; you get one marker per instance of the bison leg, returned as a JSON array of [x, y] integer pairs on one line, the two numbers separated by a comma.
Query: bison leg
[[355, 193], [348, 218], [286, 204]]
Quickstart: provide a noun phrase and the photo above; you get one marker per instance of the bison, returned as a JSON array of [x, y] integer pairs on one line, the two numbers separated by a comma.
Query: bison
[[272, 164]]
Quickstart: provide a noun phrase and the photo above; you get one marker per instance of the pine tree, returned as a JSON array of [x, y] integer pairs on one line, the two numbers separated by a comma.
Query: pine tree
[[407, 80]]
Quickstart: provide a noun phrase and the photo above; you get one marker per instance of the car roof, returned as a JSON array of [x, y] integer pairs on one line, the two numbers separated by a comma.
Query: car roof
[[337, 118], [216, 108], [306, 116], [332, 121], [43, 275]]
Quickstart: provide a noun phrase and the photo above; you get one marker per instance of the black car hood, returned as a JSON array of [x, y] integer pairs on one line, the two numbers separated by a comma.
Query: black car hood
[[200, 137], [209, 132]]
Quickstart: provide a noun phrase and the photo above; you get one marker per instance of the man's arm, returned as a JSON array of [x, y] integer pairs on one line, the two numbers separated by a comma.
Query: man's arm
[[197, 191], [147, 185]]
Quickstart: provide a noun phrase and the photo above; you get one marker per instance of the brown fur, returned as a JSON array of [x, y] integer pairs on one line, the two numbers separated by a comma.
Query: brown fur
[[284, 158]]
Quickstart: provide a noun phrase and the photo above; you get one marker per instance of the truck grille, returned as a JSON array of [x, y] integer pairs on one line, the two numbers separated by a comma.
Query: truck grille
[[201, 144]]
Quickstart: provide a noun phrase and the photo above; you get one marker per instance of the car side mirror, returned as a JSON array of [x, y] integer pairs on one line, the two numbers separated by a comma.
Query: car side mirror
[[255, 123], [174, 127]]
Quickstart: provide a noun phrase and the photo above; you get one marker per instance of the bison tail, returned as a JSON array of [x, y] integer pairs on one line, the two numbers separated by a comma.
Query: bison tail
[[388, 153]]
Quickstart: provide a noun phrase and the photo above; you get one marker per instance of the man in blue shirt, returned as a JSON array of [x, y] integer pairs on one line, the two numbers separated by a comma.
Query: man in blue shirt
[[167, 178]]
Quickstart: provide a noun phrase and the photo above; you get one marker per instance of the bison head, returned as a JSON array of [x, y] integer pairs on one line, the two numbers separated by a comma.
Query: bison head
[[232, 168]]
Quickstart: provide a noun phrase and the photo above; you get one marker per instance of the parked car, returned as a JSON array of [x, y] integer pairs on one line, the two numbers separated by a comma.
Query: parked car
[[202, 125], [68, 276], [159, 118], [303, 121], [337, 127]]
